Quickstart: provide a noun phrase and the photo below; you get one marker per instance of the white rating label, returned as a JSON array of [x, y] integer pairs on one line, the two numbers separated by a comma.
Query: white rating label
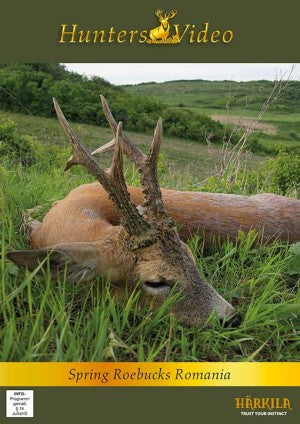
[[19, 403]]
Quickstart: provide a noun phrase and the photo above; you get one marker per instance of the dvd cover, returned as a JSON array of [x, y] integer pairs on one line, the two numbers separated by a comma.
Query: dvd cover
[[149, 211]]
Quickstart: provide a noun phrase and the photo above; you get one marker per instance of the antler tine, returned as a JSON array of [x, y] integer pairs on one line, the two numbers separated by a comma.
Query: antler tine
[[153, 199], [108, 147], [116, 169], [110, 119], [152, 157], [158, 13], [171, 14], [129, 148], [80, 152], [113, 180], [146, 164]]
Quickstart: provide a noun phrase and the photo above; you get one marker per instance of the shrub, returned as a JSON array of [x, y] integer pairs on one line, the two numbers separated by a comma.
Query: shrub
[[25, 150], [294, 135], [193, 126], [279, 175], [254, 146], [285, 171]]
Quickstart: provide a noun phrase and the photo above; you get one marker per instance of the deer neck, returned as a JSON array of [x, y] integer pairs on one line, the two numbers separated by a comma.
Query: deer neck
[[165, 26]]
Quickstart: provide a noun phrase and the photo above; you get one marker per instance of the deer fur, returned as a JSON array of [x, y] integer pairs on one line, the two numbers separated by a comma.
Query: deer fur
[[206, 214], [128, 234]]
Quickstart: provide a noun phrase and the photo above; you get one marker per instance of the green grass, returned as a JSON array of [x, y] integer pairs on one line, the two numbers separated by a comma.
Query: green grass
[[197, 162], [45, 321]]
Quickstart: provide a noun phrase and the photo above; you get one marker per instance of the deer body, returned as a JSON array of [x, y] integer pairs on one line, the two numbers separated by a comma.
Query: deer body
[[161, 32], [129, 234], [88, 214]]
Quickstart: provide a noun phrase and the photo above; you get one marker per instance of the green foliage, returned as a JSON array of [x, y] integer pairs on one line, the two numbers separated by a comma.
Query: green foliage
[[31, 87], [294, 262], [191, 125], [215, 94], [253, 145], [280, 174], [286, 171], [26, 149], [294, 135]]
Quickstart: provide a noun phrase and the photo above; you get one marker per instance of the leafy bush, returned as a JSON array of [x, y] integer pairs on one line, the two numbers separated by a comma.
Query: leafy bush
[[253, 145], [25, 150], [294, 135], [279, 175], [191, 125], [285, 171]]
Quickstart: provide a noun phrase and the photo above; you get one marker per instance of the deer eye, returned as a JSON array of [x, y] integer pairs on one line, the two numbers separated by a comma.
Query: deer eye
[[156, 287]]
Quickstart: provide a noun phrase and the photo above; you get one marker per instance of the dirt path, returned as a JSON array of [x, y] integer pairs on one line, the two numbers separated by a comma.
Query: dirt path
[[245, 122]]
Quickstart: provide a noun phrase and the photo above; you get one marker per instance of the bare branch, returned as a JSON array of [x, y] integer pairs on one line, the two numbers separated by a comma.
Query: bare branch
[[234, 154]]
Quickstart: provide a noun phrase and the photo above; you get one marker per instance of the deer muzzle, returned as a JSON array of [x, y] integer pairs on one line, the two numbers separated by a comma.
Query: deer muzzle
[[199, 303]]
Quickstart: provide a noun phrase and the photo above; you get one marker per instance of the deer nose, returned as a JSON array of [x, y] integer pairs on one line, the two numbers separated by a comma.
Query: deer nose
[[224, 309], [156, 288]]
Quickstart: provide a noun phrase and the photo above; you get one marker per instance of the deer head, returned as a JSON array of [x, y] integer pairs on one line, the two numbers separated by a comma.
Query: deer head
[[145, 251]]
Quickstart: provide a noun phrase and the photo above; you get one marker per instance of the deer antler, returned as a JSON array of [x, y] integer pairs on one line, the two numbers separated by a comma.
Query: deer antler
[[147, 166], [112, 180], [158, 13], [171, 14]]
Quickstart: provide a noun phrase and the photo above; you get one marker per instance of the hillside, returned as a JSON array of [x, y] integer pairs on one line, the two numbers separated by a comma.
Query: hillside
[[191, 110], [227, 101], [29, 88], [202, 94]]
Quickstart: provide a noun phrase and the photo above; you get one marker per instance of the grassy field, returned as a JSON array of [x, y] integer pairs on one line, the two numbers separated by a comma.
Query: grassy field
[[210, 98], [215, 94], [44, 321], [196, 161]]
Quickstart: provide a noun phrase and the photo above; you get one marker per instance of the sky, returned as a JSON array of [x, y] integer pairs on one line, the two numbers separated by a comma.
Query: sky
[[134, 73]]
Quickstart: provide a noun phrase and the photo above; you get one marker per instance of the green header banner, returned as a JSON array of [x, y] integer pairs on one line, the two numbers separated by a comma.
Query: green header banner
[[164, 31]]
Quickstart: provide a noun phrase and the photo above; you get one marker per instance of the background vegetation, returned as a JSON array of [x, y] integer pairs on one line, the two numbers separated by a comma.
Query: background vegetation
[[44, 321], [214, 94], [29, 88], [219, 99]]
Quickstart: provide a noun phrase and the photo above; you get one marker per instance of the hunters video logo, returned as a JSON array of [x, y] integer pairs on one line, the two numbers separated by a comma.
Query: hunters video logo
[[166, 33], [253, 406]]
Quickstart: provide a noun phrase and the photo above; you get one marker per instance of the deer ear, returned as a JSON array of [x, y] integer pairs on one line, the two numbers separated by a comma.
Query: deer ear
[[76, 261]]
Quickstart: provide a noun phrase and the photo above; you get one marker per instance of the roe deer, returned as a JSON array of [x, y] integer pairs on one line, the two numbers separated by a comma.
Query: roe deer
[[128, 234]]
